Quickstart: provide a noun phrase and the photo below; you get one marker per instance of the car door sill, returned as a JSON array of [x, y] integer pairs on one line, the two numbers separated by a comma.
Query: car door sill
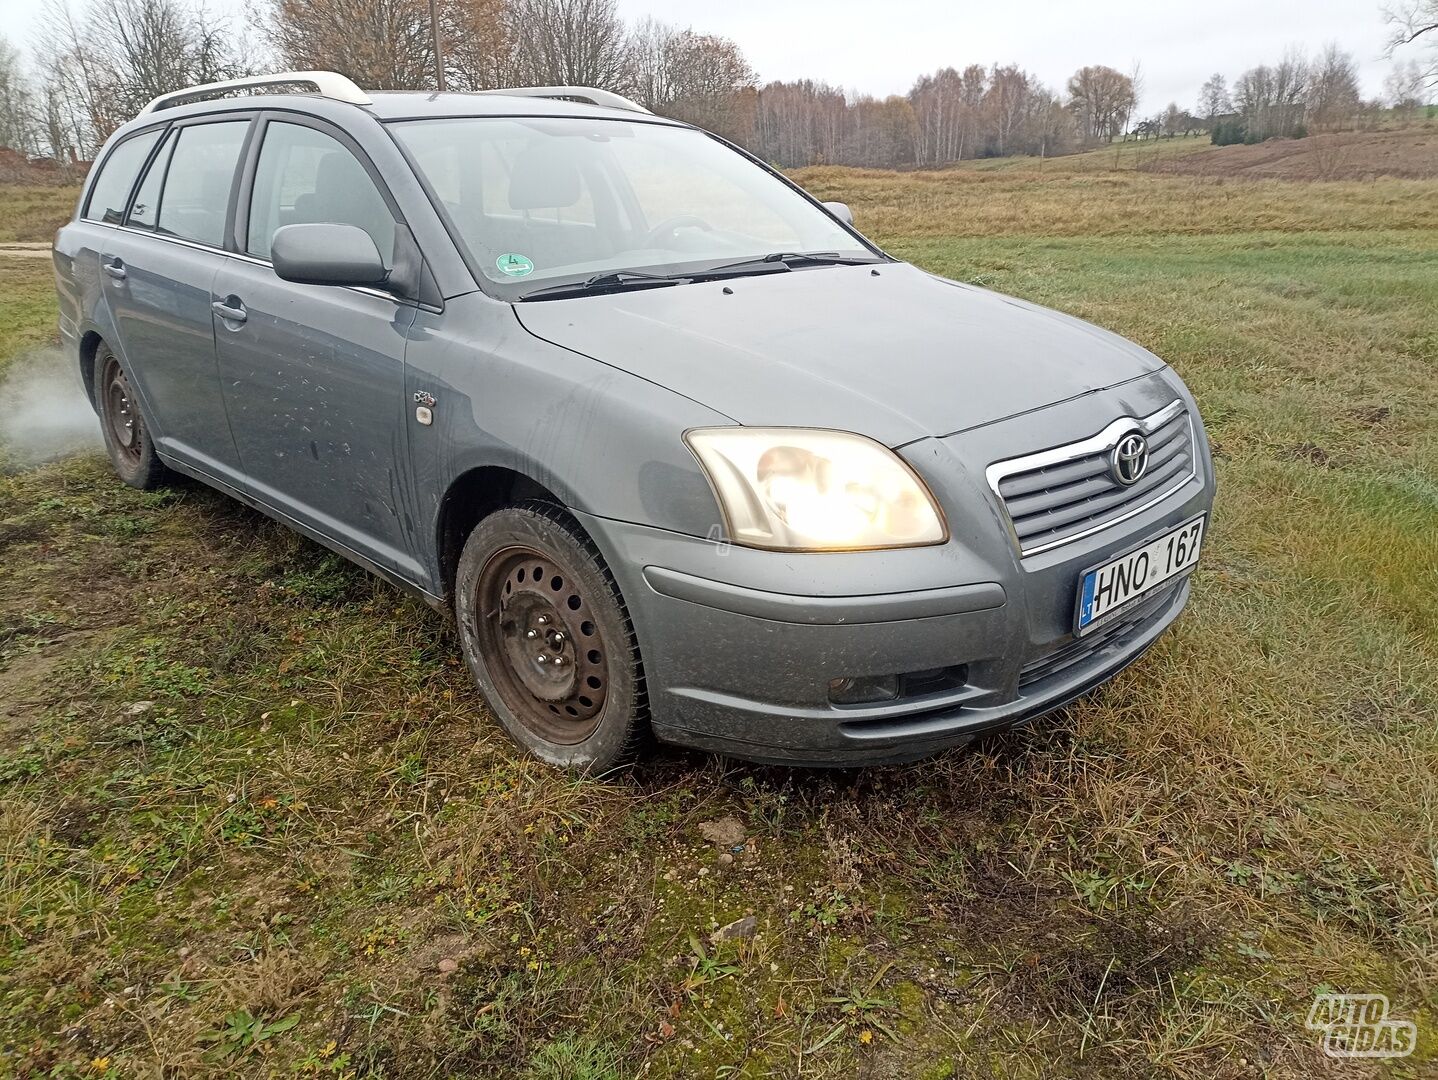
[[439, 603]]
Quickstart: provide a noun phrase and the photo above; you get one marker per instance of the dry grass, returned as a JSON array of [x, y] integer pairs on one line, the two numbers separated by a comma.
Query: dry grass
[[31, 214], [314, 824], [1085, 203]]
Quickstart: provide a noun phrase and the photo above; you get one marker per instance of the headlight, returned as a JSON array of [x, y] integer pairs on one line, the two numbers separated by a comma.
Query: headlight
[[795, 489]]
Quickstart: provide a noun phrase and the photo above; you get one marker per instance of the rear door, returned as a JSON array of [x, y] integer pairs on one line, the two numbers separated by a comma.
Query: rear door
[[160, 267], [83, 290], [313, 375]]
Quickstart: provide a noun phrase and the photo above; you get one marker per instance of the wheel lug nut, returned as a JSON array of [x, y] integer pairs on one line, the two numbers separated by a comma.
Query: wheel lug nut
[[531, 634], [543, 620], [559, 661], [541, 658], [558, 637]]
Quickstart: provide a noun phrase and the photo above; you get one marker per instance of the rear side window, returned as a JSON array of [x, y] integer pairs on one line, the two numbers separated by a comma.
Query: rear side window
[[117, 176], [305, 177], [197, 183], [147, 199]]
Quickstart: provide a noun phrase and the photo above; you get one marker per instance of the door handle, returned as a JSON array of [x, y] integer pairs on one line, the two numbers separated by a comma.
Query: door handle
[[115, 269], [230, 309]]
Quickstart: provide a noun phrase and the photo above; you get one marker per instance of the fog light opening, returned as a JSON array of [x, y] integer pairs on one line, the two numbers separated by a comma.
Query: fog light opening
[[863, 689]]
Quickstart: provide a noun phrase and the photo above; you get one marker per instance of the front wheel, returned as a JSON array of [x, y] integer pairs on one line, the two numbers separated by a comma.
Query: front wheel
[[127, 439], [547, 638]]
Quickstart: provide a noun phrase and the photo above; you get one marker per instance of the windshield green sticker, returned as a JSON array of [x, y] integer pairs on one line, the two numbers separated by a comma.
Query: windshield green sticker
[[514, 265]]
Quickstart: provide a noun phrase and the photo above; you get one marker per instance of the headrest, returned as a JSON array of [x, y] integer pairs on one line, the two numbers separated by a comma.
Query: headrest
[[545, 176], [336, 172]]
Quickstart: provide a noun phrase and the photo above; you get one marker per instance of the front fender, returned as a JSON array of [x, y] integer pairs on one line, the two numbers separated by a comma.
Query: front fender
[[606, 443]]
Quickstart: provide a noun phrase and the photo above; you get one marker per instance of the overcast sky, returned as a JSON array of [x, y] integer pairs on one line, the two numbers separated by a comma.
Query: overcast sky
[[879, 46]]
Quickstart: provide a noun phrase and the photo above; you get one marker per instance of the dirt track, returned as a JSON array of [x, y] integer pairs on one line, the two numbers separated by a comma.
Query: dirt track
[[26, 251], [1411, 153]]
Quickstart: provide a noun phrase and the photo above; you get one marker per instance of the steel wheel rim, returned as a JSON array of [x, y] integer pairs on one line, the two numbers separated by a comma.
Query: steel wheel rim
[[542, 644], [120, 412]]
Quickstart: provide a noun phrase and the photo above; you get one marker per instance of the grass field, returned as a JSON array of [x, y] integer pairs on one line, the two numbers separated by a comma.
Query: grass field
[[254, 820]]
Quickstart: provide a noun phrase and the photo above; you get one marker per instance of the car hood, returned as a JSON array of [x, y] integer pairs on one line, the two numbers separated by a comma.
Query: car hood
[[896, 355]]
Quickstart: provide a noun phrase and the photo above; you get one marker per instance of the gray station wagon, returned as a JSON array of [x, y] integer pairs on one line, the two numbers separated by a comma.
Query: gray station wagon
[[685, 453]]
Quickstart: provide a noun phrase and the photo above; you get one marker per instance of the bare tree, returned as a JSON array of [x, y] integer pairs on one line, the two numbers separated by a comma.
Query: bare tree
[[478, 48], [653, 55], [1006, 105], [1100, 99], [102, 67], [700, 78], [1174, 120], [1213, 99], [948, 111], [1273, 99], [568, 43], [1135, 76], [389, 44], [380, 44], [1332, 96], [1411, 21], [1405, 89], [17, 120]]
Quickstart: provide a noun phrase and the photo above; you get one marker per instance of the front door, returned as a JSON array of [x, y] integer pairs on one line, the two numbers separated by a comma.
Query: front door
[[313, 375]]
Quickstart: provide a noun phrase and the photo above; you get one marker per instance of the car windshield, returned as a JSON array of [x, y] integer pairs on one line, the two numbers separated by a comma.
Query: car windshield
[[541, 201]]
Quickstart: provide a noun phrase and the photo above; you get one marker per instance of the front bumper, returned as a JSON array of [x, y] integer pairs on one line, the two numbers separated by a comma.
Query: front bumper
[[740, 645]]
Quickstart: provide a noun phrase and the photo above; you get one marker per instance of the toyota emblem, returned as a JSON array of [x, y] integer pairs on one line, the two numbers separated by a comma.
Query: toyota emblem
[[1129, 459]]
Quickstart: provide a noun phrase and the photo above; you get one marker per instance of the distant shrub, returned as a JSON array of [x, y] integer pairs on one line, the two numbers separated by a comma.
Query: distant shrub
[[1228, 132]]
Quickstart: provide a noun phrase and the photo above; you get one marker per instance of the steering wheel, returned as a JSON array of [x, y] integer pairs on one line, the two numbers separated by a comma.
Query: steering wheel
[[669, 226]]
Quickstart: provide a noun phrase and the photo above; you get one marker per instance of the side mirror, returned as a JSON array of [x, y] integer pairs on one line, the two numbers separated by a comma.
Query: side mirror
[[840, 211], [327, 255]]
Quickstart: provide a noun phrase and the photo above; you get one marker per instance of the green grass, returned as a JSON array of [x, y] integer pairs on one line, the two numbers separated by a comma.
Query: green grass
[[29, 309], [254, 819]]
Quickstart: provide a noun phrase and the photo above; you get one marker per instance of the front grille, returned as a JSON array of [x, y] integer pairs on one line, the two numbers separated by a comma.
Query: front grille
[[1079, 650], [1061, 494]]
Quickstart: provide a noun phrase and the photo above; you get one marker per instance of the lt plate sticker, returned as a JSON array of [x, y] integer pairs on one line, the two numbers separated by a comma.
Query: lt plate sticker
[[514, 265]]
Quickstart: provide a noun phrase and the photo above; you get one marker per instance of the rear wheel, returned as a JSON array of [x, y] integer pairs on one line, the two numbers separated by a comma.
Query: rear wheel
[[127, 439], [547, 638]]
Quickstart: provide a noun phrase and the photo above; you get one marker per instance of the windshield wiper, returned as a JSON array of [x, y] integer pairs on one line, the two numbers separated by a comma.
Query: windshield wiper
[[775, 259], [614, 279]]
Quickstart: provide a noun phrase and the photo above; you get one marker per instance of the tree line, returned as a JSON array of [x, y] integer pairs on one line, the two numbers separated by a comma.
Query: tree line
[[93, 68], [1298, 95]]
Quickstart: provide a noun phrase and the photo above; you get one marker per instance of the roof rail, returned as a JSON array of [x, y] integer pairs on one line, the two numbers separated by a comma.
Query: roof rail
[[326, 83], [591, 95]]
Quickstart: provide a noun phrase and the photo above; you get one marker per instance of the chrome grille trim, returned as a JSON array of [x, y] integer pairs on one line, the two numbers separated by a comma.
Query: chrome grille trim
[[1084, 478]]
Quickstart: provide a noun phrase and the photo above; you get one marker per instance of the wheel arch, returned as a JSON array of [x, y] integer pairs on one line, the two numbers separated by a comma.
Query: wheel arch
[[470, 497], [90, 343]]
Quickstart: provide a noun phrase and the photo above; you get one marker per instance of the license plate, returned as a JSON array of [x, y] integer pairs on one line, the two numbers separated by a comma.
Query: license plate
[[1107, 588]]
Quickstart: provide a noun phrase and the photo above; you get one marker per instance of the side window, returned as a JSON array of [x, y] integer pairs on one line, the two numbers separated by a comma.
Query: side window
[[117, 176], [147, 199], [197, 183], [305, 177]]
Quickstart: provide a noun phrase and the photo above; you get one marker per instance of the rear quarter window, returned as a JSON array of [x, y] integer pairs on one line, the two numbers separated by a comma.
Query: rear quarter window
[[111, 190]]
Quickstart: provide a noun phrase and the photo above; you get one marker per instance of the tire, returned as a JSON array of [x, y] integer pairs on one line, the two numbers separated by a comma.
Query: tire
[[548, 640], [127, 438]]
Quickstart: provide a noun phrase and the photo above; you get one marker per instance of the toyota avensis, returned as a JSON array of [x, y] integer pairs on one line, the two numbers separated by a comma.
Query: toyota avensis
[[686, 454]]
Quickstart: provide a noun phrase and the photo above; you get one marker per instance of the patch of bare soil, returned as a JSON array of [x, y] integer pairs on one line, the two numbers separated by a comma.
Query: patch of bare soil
[[1349, 155]]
